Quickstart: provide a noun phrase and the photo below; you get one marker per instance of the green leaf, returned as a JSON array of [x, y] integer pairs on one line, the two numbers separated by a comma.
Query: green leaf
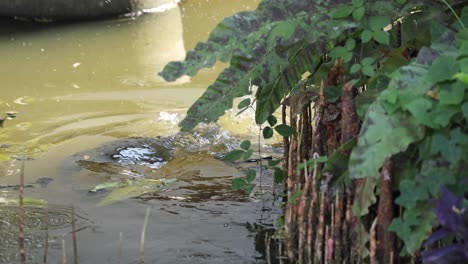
[[362, 239], [350, 44], [365, 197], [347, 57], [463, 63], [105, 185], [400, 2], [284, 130], [322, 159], [381, 137], [251, 174], [302, 165], [271, 64], [295, 196], [244, 27], [366, 36], [464, 17], [337, 163], [382, 37], [355, 68], [338, 52], [267, 132], [462, 77], [270, 47], [302, 58], [244, 103], [342, 11], [411, 194], [278, 175], [413, 227], [249, 188], [367, 70], [4, 157], [465, 110], [26, 201], [449, 150], [333, 93], [377, 23], [130, 188], [376, 85], [234, 155], [247, 154], [245, 145], [419, 108], [452, 93], [358, 13], [430, 113], [464, 48], [358, 3], [442, 69], [238, 183], [367, 61], [272, 120], [273, 162]]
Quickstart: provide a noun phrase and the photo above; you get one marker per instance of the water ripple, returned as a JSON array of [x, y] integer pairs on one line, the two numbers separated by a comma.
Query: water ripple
[[59, 220]]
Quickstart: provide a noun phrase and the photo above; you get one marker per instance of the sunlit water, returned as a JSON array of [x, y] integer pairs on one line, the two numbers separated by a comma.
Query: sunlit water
[[83, 89]]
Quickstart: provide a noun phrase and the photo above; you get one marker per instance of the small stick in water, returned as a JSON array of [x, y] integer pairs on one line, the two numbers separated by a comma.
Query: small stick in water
[[21, 216], [75, 251], [142, 241], [46, 242], [64, 254], [120, 247]]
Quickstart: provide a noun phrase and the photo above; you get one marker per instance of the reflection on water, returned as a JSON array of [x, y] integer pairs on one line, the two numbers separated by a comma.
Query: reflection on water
[[65, 80], [51, 75], [39, 221], [141, 155]]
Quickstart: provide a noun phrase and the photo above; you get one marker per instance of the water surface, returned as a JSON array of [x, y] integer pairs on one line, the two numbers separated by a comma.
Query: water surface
[[79, 86]]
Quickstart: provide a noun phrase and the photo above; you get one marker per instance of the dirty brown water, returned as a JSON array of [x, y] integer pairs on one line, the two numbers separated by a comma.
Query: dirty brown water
[[83, 90]]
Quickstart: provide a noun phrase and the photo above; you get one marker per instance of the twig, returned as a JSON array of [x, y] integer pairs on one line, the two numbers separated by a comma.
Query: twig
[[46, 242], [260, 164], [454, 13], [373, 243], [119, 254], [143, 232], [267, 248], [301, 224], [348, 225], [385, 209], [319, 240], [337, 226], [64, 254], [21, 214], [312, 214], [328, 245], [75, 251], [280, 252]]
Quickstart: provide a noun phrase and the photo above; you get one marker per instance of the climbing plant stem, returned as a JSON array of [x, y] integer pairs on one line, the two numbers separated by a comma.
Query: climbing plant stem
[[454, 13]]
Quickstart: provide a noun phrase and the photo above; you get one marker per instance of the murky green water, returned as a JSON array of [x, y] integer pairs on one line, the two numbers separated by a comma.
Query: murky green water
[[79, 86]]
